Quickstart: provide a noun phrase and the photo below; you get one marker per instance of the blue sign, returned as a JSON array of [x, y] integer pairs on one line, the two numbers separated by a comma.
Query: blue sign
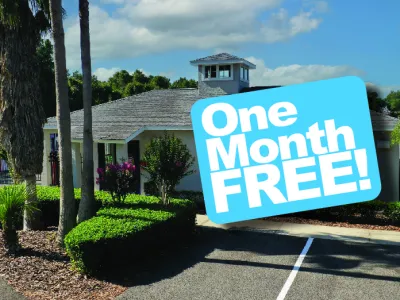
[[285, 150]]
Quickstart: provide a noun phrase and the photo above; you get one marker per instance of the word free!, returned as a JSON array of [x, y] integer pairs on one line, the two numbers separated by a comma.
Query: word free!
[[285, 150]]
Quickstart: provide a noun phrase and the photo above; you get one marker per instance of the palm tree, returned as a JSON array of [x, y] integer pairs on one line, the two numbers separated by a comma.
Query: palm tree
[[12, 206], [86, 206], [21, 111], [67, 218]]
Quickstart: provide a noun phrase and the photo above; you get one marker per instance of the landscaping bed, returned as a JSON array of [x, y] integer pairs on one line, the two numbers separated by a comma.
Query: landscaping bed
[[120, 234], [299, 220], [43, 271], [376, 215]]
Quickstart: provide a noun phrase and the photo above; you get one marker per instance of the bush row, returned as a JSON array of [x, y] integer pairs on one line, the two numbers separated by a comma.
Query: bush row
[[122, 233], [366, 210], [49, 203]]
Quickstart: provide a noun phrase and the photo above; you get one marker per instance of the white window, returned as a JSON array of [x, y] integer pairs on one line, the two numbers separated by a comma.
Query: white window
[[210, 72], [244, 74], [224, 71], [218, 72]]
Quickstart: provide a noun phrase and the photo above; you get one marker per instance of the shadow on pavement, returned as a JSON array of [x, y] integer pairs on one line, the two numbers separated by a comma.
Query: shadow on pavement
[[323, 255]]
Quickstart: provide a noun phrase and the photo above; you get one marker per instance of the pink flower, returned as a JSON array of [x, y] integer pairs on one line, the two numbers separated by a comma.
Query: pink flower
[[179, 164]]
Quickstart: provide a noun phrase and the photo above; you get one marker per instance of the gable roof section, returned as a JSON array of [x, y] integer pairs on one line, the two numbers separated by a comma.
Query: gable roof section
[[222, 58], [119, 119]]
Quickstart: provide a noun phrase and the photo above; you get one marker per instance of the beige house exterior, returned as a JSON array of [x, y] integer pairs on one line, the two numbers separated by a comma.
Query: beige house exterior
[[123, 128]]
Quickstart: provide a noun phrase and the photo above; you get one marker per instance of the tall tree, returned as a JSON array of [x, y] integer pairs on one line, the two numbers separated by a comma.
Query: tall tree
[[46, 70], [119, 80], [393, 101], [87, 204], [374, 101], [183, 82], [75, 91], [21, 110], [67, 218]]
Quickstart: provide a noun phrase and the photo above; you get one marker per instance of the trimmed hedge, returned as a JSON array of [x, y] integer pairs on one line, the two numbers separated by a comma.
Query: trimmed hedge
[[49, 203], [122, 234]]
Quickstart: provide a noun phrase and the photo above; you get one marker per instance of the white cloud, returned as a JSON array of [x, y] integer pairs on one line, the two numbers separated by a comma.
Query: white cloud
[[112, 1], [318, 6], [281, 27], [321, 6], [295, 74], [155, 26], [103, 74]]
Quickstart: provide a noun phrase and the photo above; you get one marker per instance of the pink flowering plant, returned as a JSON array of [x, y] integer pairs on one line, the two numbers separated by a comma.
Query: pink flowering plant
[[118, 179], [167, 160]]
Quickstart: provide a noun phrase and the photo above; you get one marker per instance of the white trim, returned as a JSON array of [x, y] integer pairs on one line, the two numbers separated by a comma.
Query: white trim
[[221, 62], [100, 141], [217, 73], [382, 127], [158, 128], [135, 134], [247, 71], [49, 126]]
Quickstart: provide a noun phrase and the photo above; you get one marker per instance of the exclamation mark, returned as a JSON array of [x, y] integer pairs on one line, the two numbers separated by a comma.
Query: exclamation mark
[[362, 165]]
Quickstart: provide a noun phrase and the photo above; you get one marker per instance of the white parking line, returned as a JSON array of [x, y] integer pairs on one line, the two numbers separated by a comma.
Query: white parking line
[[296, 268]]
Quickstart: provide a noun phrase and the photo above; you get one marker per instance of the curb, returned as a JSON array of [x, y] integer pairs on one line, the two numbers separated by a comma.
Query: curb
[[318, 236]]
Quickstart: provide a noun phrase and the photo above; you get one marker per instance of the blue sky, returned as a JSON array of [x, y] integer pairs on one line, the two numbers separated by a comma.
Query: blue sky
[[290, 41]]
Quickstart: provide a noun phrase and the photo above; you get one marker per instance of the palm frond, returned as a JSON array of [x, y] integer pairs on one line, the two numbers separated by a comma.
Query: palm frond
[[12, 202]]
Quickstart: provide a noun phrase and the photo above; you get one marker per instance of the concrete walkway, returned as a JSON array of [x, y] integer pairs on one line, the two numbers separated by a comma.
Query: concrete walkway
[[383, 237]]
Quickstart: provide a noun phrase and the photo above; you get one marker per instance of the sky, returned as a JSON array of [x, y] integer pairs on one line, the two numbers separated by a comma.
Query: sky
[[290, 41]]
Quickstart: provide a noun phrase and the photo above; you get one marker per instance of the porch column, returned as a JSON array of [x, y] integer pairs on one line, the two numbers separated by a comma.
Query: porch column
[[76, 164], [95, 164], [46, 172]]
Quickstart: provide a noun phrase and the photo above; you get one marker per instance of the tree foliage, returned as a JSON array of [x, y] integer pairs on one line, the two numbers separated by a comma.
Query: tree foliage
[[120, 84], [167, 160], [393, 101]]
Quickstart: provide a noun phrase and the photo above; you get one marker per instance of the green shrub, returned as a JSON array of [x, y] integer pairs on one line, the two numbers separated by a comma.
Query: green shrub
[[49, 203], [121, 234], [12, 206], [392, 211], [166, 161]]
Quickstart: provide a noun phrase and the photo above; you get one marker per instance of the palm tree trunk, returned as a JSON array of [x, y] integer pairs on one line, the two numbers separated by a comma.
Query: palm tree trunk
[[31, 219], [87, 204], [10, 237], [67, 218], [21, 112]]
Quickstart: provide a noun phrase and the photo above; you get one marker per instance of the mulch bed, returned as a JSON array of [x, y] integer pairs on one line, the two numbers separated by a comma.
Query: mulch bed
[[300, 220], [42, 271]]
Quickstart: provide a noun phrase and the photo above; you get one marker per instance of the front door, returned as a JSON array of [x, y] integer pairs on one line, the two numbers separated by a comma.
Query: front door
[[134, 155]]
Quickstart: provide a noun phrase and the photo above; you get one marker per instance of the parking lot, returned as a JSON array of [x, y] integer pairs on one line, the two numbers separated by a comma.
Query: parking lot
[[255, 265]]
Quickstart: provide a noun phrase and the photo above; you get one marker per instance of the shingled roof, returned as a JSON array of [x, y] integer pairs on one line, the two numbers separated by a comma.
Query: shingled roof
[[222, 57], [381, 121], [119, 119]]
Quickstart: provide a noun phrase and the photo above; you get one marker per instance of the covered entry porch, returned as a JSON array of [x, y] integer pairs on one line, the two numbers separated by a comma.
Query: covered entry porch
[[104, 152]]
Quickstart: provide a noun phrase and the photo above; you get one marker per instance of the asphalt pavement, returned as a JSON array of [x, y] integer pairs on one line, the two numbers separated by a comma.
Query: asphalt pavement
[[239, 264]]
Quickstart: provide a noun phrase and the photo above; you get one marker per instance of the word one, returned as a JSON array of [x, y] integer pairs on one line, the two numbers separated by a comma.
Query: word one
[[285, 150]]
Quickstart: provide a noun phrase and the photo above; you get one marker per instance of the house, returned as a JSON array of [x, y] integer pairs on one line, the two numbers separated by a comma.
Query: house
[[122, 128]]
